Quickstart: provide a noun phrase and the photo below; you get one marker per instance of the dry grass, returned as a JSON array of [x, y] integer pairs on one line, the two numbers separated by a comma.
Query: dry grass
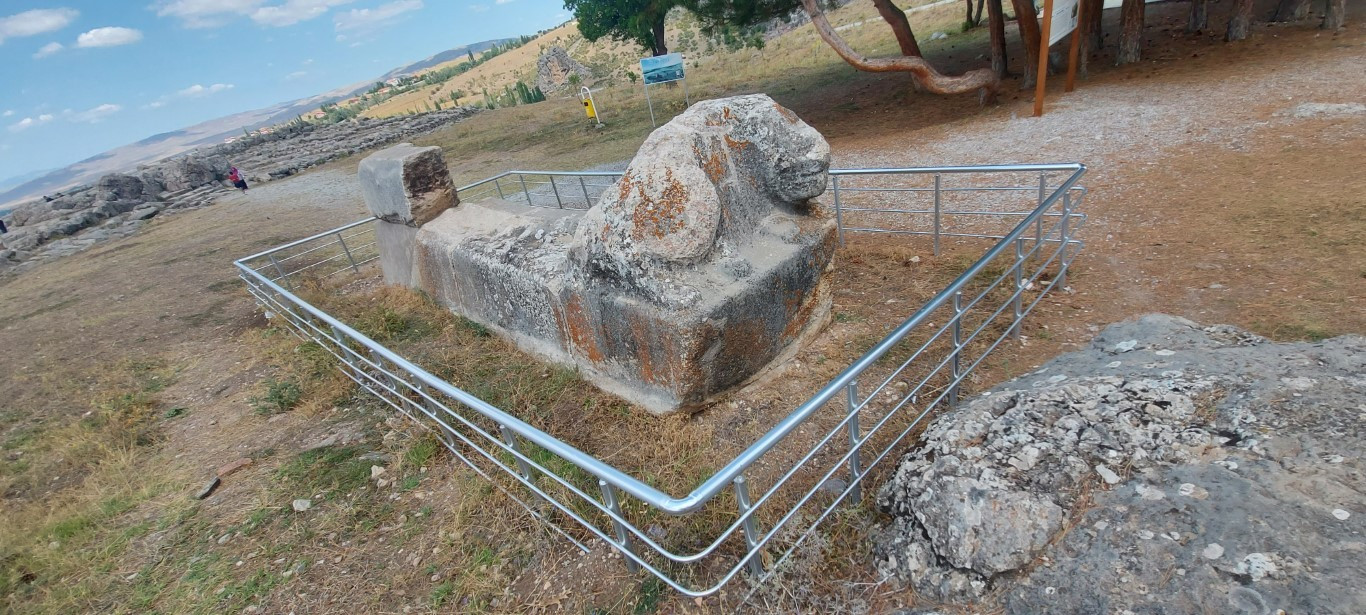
[[146, 336]]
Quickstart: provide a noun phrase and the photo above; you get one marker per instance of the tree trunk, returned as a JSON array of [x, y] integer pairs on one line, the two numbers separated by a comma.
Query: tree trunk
[[901, 27], [1199, 17], [1291, 10], [977, 21], [1130, 32], [982, 80], [1240, 21], [657, 30], [1336, 14], [1028, 23], [1094, 12], [1090, 22], [996, 19]]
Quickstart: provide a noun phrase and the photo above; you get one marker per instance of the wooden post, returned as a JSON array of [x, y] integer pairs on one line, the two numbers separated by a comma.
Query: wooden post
[[1076, 45], [1041, 77]]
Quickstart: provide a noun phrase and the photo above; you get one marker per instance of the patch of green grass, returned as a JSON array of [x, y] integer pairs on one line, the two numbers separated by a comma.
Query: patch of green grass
[[410, 483], [650, 591], [843, 317], [420, 453], [330, 467], [280, 396], [473, 327], [441, 593], [69, 528], [175, 412]]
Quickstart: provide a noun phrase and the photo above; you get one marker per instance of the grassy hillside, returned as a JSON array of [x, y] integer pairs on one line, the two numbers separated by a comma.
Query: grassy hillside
[[712, 66]]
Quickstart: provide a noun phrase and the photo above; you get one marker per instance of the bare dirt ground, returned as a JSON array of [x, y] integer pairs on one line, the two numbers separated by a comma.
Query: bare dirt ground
[[131, 371]]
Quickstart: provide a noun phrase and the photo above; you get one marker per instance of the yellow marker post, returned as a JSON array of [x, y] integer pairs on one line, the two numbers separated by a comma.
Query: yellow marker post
[[590, 108]]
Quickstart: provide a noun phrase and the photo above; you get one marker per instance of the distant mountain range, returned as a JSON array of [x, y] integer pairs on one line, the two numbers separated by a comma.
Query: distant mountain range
[[166, 144]]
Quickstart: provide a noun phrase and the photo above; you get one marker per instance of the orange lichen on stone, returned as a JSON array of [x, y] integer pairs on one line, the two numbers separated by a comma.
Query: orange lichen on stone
[[663, 216], [734, 143], [579, 331], [786, 113], [714, 166]]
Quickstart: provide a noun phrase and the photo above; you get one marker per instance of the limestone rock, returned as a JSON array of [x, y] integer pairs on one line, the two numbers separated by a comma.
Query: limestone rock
[[407, 185], [554, 67], [1232, 471], [121, 187]]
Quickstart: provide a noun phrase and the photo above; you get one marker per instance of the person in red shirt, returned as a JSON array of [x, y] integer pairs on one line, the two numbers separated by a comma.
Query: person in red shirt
[[237, 180]]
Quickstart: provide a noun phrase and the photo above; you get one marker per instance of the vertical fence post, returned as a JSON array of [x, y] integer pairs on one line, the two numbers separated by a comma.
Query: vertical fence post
[[499, 187], [587, 201], [1019, 288], [957, 347], [345, 353], [839, 216], [510, 439], [284, 278], [556, 190], [342, 240], [851, 405], [1062, 252], [756, 564], [1038, 222], [609, 497], [937, 184], [447, 435], [393, 382], [524, 190]]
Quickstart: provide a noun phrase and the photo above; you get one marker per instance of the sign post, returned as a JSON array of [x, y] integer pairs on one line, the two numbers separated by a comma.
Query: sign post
[[662, 69], [1059, 18]]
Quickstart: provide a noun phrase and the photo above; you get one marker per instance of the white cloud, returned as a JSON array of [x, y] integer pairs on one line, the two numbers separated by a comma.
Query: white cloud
[[294, 11], [7, 113], [479, 8], [298, 74], [205, 13], [308, 61], [30, 122], [48, 49], [156, 104], [502, 1], [197, 90], [369, 20], [214, 13], [38, 21], [95, 115], [108, 37]]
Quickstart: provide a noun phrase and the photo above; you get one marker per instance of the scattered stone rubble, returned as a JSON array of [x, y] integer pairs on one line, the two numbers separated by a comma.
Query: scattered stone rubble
[[554, 68], [119, 204], [1167, 468]]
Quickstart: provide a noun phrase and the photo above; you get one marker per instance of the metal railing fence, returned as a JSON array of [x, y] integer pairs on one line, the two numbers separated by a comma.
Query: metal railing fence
[[767, 500]]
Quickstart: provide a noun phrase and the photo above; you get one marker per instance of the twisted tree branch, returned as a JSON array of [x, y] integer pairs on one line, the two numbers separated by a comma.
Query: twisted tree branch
[[982, 80]]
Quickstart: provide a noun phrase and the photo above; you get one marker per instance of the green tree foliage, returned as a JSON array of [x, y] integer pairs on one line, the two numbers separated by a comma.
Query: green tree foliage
[[629, 21]]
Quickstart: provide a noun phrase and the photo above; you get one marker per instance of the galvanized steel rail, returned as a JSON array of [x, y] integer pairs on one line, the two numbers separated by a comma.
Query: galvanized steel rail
[[980, 309]]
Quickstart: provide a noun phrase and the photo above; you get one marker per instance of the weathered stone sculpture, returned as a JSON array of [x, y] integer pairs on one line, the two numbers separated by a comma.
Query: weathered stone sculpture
[[702, 265]]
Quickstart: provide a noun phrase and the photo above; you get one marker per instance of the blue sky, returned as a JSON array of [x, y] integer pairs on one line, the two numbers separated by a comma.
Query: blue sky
[[83, 77]]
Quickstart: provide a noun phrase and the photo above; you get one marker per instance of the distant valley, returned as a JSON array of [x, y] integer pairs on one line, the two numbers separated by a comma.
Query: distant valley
[[156, 147]]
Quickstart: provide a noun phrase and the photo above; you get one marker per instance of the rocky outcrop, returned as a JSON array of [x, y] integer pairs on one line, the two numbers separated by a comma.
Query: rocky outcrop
[[1168, 468], [554, 68], [119, 203], [294, 148], [704, 263]]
